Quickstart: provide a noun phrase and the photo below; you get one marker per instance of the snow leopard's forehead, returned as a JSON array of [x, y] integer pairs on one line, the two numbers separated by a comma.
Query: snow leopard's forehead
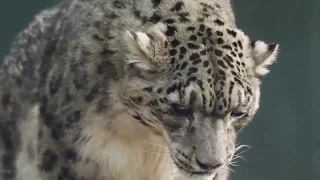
[[209, 56]]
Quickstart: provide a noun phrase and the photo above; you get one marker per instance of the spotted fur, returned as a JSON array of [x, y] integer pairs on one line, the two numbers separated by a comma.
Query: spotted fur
[[128, 90]]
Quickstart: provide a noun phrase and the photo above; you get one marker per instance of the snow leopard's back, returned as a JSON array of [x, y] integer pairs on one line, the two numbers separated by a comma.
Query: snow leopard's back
[[44, 78]]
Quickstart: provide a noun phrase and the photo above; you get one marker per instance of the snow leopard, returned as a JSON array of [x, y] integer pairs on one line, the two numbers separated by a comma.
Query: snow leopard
[[129, 90]]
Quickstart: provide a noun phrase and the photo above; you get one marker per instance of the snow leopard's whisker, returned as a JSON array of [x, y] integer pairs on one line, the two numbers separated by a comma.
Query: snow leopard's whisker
[[156, 153], [155, 144], [241, 152], [171, 167], [234, 163], [237, 157], [238, 147], [177, 172], [231, 170]]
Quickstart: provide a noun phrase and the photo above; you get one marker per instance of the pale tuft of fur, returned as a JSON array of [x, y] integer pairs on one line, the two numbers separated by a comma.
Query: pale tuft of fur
[[264, 57]]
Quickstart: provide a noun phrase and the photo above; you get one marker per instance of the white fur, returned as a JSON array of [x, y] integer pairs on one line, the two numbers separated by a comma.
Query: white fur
[[159, 29], [27, 167], [263, 57], [135, 47], [173, 97], [146, 53], [124, 149], [143, 40], [181, 176]]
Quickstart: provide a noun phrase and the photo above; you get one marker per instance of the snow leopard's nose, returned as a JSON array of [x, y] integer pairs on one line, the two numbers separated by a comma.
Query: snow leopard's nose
[[208, 165]]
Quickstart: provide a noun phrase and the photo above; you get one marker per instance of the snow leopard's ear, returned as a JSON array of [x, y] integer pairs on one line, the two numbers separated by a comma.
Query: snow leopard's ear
[[147, 50], [263, 55]]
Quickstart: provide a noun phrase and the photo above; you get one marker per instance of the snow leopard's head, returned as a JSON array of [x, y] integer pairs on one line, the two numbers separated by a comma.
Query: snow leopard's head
[[197, 94]]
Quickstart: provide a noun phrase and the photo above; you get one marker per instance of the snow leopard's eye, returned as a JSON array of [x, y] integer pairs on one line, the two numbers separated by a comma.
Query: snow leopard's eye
[[237, 113], [181, 110]]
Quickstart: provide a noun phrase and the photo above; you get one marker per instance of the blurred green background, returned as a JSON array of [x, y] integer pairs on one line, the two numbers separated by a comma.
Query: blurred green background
[[285, 135]]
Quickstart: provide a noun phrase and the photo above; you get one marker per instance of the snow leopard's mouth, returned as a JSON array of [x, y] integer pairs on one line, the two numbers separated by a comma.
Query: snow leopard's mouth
[[188, 169], [201, 173]]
